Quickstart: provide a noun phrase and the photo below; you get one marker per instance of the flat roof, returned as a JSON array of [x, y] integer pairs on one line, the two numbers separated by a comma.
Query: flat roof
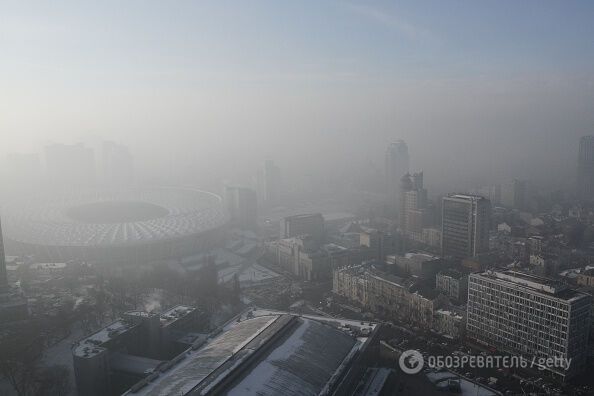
[[535, 283], [92, 344], [173, 314], [304, 360], [197, 365]]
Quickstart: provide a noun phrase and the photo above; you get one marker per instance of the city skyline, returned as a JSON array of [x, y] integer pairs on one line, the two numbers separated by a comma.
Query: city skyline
[[513, 81]]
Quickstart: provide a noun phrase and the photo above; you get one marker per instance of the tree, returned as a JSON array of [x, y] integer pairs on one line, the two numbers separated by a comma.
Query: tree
[[53, 381], [236, 290], [21, 348]]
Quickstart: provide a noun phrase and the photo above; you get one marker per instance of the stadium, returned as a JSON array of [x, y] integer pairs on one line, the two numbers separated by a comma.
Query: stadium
[[123, 226]]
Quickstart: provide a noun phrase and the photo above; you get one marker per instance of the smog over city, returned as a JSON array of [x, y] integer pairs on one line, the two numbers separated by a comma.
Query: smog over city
[[296, 198]]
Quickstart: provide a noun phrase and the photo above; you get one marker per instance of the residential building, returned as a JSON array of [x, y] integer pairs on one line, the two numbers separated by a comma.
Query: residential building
[[387, 295], [307, 259], [452, 283], [450, 323], [586, 277], [419, 264], [311, 224]]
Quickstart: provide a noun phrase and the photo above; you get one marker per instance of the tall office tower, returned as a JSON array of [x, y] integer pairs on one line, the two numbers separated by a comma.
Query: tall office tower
[[513, 194], [493, 193], [397, 163], [531, 316], [70, 165], [465, 225], [118, 165], [303, 224], [3, 276], [585, 172], [414, 212], [269, 184], [242, 204]]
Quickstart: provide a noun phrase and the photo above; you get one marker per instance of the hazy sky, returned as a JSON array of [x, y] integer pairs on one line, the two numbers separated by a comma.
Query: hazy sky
[[507, 86]]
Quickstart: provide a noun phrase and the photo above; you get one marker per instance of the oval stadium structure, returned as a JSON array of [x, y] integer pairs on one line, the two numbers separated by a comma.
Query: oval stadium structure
[[132, 226]]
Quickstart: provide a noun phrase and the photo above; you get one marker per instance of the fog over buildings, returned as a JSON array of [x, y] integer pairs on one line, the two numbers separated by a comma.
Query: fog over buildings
[[209, 89], [216, 197]]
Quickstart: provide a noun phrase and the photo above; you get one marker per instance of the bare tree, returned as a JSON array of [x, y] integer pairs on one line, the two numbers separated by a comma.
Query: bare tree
[[20, 350], [53, 381]]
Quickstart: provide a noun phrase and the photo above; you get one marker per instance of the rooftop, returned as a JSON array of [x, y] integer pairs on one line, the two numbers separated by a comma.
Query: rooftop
[[249, 357], [534, 282], [92, 345], [171, 315]]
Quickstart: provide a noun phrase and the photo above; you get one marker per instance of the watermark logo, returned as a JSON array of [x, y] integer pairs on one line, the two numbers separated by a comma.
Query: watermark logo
[[411, 361]]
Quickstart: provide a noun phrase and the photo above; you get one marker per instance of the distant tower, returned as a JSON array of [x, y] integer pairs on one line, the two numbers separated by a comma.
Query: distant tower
[[269, 181], [397, 164], [3, 277], [585, 172], [406, 185], [118, 165], [413, 214], [513, 194], [465, 225], [242, 204]]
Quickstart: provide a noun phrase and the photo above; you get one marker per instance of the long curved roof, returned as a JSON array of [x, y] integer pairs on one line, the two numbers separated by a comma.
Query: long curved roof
[[50, 221]]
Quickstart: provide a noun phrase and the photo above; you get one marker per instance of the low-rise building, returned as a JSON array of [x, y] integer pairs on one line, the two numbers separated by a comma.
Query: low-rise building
[[450, 323], [311, 224], [452, 283], [131, 348], [586, 278], [308, 260], [388, 295], [423, 265]]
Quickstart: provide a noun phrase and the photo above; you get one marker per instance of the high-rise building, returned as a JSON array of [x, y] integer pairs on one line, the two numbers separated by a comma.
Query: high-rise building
[[242, 204], [269, 184], [397, 164], [13, 305], [118, 165], [531, 316], [585, 171], [303, 224], [491, 192], [414, 213], [465, 225], [70, 165], [513, 194], [3, 276]]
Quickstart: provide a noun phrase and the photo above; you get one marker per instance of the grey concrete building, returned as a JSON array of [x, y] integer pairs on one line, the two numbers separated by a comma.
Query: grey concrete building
[[585, 171], [465, 225], [452, 283], [531, 316], [397, 165], [242, 204], [311, 224]]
